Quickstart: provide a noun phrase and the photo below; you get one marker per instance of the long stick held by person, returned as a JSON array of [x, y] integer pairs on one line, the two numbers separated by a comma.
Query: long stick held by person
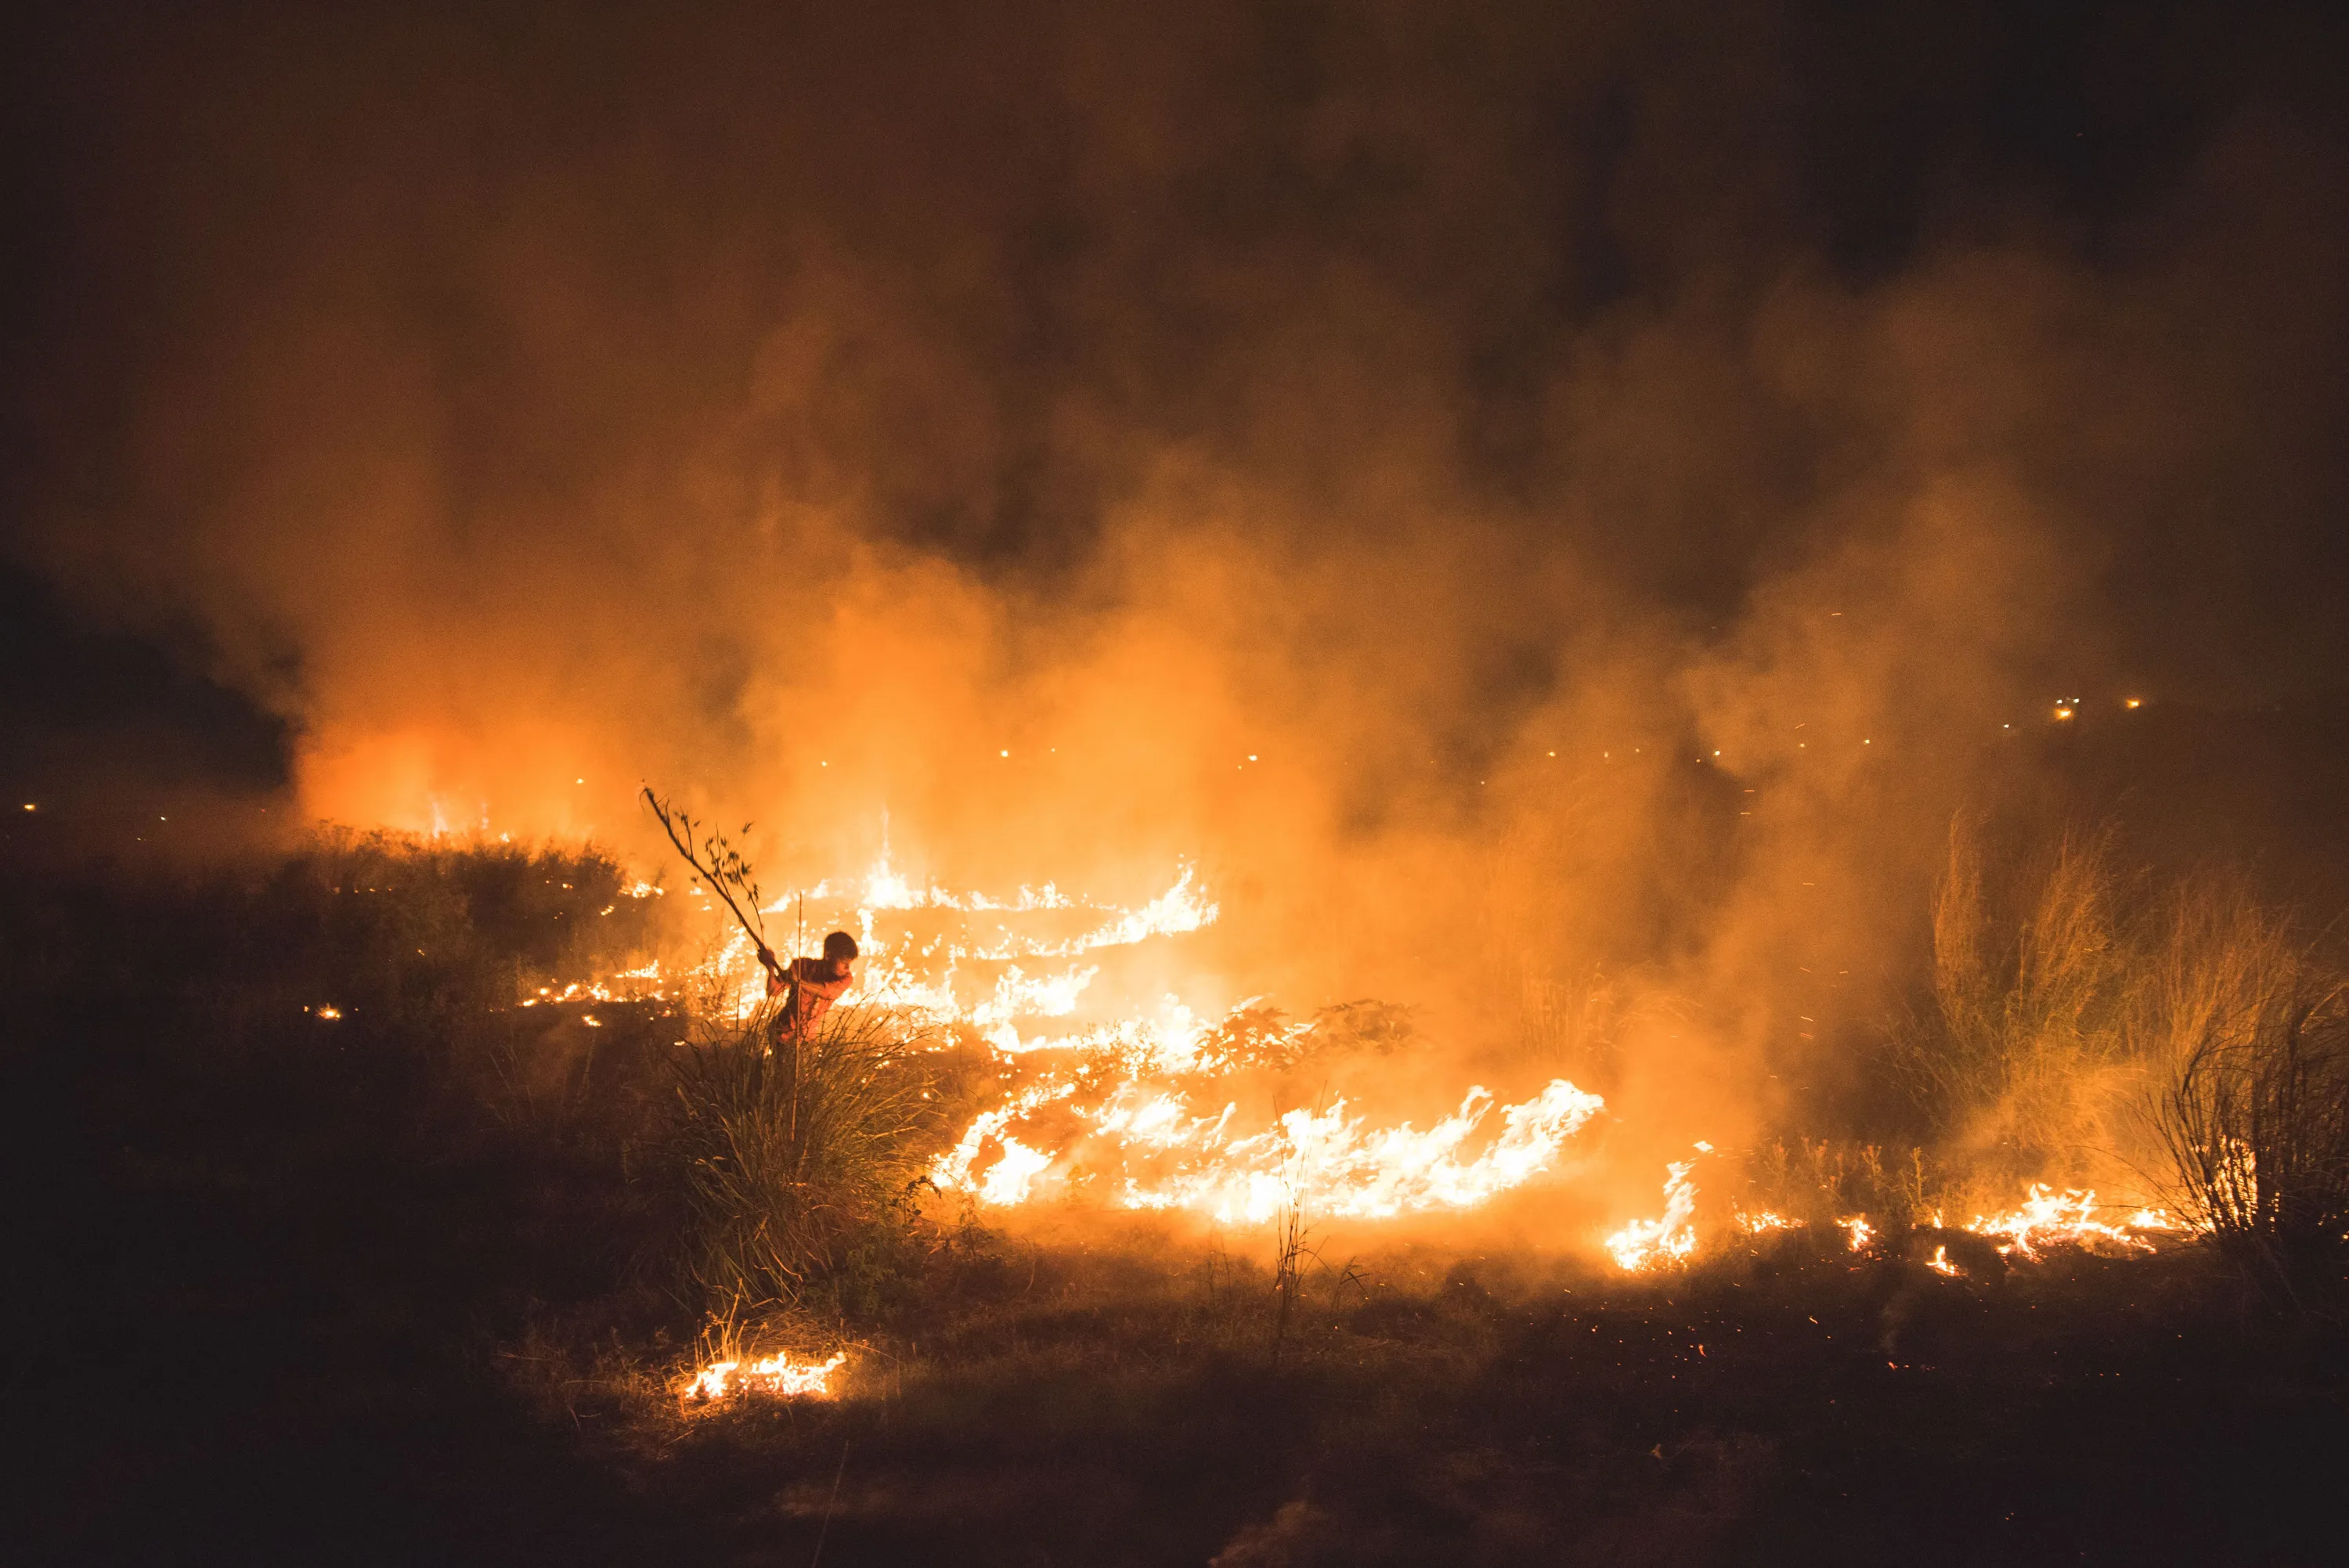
[[812, 984]]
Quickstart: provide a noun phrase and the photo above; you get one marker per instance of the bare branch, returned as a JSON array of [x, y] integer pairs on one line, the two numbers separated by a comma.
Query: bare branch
[[719, 865]]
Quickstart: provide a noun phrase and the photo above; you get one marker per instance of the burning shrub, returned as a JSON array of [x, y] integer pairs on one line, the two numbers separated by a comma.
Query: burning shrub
[[799, 1159]]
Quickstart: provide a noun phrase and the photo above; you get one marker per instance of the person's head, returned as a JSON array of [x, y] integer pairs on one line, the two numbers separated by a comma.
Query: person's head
[[840, 949]]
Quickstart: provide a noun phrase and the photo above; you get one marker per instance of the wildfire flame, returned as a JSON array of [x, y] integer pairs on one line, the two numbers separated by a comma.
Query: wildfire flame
[[1133, 1121], [2067, 1219], [2045, 1219], [1131, 1108], [1128, 1110], [778, 1375], [1326, 1163], [1669, 1239]]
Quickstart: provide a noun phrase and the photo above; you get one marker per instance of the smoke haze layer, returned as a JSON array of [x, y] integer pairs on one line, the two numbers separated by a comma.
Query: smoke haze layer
[[1547, 492]]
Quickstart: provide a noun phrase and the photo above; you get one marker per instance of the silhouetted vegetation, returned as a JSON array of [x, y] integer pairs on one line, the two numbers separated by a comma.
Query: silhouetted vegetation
[[801, 1160], [402, 1283], [2252, 1033], [2090, 1025]]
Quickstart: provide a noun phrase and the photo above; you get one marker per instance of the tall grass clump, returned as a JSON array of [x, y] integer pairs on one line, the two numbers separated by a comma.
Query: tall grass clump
[[2019, 1058], [800, 1160], [2085, 1027], [2252, 1104]]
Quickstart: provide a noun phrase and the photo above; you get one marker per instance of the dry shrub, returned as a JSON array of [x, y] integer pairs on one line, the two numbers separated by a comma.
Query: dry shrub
[[2253, 1108], [800, 1160], [2021, 1059], [2080, 1029]]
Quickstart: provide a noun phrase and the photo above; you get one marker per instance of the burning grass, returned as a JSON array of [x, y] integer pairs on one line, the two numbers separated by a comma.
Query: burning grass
[[779, 1375], [445, 1231]]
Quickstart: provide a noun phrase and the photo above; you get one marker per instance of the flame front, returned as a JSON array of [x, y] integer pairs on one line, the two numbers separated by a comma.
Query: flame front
[[1131, 1109], [1134, 1108], [2067, 1219], [1328, 1164], [2045, 1219]]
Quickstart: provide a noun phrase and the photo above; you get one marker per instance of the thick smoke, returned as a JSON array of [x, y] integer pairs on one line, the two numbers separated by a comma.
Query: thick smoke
[[1537, 504]]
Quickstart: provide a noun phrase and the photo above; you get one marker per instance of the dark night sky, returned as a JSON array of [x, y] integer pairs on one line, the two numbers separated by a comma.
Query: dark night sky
[[310, 315]]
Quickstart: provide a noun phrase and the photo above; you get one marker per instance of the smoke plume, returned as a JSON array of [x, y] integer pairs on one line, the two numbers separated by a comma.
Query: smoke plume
[[1528, 498]]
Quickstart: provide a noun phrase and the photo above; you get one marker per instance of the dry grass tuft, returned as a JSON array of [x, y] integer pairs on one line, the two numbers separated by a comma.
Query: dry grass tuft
[[799, 1159], [2022, 1059], [2253, 1108], [2083, 1029]]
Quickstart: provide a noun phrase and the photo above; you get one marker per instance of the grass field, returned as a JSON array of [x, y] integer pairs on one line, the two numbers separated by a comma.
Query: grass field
[[404, 1285]]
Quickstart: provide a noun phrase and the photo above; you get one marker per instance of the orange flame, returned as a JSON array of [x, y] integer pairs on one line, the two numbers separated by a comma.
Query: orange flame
[[778, 1375], [2043, 1219], [1108, 1111], [1670, 1238]]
